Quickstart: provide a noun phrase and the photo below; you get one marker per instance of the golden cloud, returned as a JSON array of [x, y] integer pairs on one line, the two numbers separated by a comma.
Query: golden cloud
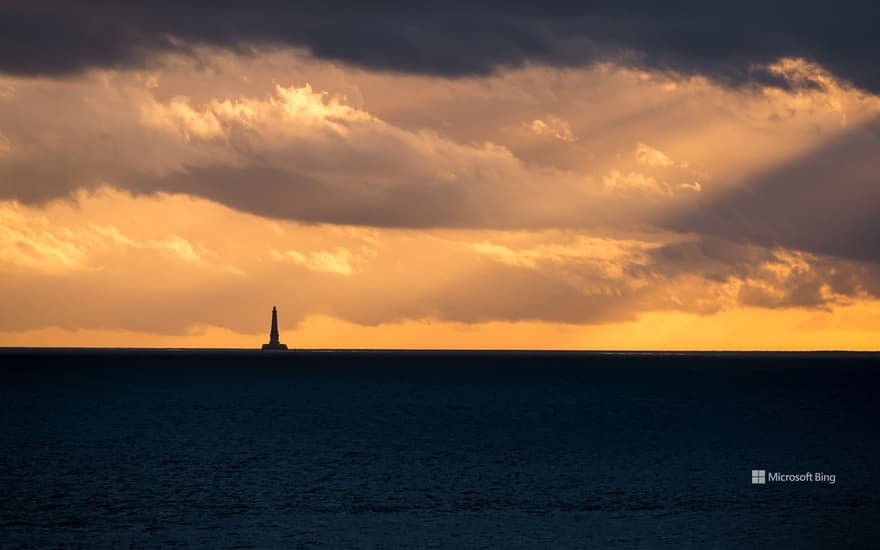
[[397, 208]]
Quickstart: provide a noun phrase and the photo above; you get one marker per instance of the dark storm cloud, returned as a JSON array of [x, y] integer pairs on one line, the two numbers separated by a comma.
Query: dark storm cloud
[[727, 41], [827, 202]]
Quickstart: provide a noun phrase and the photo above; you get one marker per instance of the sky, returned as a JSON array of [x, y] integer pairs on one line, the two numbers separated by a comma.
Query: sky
[[553, 175]]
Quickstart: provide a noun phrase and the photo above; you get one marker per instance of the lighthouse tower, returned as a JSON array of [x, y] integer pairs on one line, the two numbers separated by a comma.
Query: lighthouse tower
[[274, 342]]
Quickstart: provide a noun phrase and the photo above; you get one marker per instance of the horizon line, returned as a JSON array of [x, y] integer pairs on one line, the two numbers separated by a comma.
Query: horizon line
[[441, 350]]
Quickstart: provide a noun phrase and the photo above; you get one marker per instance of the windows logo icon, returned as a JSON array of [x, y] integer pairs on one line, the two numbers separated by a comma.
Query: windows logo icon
[[759, 477]]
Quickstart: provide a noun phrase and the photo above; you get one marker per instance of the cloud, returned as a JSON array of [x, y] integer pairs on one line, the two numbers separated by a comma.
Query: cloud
[[768, 277], [301, 140], [5, 144], [634, 182], [104, 263], [287, 152], [34, 242], [824, 202], [316, 153], [25, 242], [338, 261], [553, 127], [733, 42], [177, 246], [646, 154]]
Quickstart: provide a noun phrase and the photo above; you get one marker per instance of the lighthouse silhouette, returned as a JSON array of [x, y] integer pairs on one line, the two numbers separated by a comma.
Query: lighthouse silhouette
[[274, 342]]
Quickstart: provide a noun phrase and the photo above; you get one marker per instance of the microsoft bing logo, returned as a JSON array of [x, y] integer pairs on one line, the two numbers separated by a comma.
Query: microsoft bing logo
[[759, 477]]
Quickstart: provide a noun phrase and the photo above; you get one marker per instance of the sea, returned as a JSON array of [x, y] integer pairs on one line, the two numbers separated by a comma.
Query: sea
[[106, 448]]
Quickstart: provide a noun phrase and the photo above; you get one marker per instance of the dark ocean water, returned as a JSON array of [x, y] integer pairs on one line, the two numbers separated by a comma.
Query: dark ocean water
[[150, 449]]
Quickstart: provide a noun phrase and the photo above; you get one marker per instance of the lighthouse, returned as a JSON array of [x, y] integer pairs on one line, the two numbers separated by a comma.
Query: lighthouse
[[274, 342]]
